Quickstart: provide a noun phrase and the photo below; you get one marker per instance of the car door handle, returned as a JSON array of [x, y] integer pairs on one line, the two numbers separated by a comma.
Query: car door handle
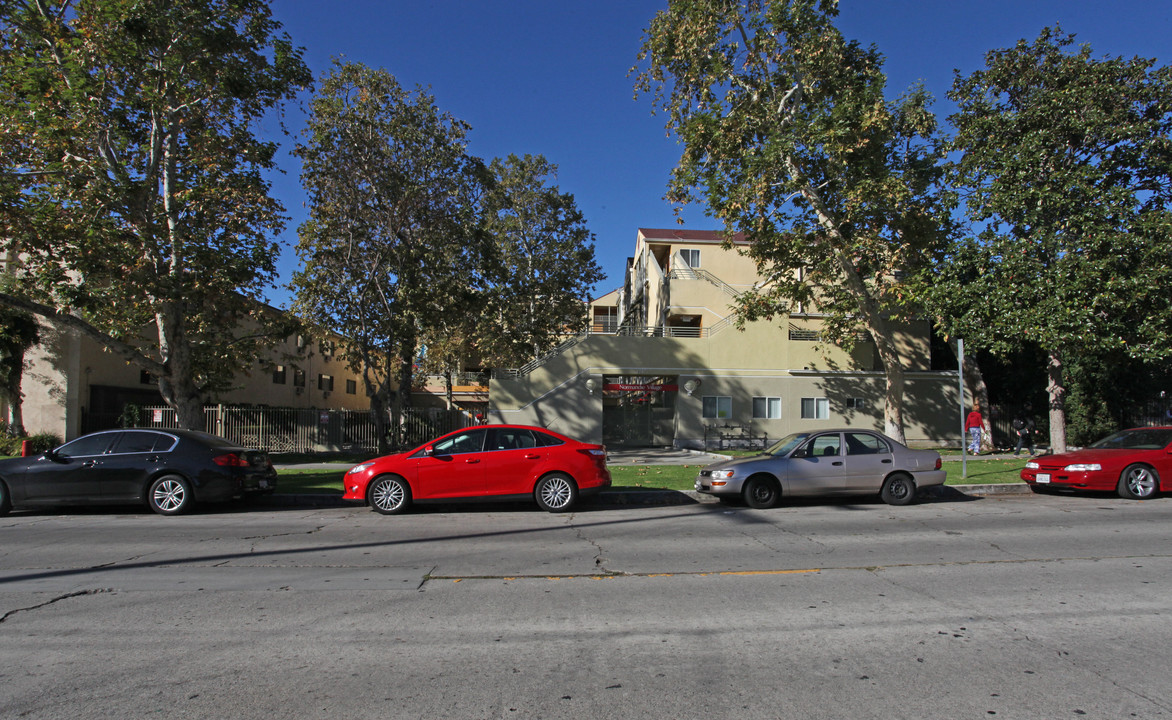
[[886, 461], [532, 456], [472, 461], [836, 463], [89, 463]]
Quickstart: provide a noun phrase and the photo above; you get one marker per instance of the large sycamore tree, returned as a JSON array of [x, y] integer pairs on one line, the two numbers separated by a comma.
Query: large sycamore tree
[[133, 188], [391, 248], [539, 264], [1065, 162], [788, 137]]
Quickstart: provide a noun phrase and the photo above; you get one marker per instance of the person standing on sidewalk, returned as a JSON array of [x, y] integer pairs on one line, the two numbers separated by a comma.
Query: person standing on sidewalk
[[1023, 425], [972, 424]]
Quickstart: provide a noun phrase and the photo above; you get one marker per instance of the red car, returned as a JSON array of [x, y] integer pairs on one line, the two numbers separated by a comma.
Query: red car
[[497, 462], [1130, 462]]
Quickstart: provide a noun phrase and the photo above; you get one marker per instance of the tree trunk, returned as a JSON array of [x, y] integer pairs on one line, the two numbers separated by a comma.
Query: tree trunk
[[404, 374], [177, 385], [1056, 390], [893, 387], [16, 399]]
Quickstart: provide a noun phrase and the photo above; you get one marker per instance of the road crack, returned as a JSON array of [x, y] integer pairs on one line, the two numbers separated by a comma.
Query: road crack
[[59, 598]]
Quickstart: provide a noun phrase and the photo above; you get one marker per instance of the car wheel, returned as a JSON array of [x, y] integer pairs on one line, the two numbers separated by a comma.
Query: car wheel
[[5, 500], [898, 490], [1138, 482], [389, 495], [170, 495], [556, 492], [761, 492]]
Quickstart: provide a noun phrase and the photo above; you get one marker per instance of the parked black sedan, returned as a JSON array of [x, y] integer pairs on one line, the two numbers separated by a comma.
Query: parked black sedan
[[169, 470]]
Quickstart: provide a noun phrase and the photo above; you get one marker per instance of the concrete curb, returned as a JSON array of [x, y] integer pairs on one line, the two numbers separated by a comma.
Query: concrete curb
[[619, 498]]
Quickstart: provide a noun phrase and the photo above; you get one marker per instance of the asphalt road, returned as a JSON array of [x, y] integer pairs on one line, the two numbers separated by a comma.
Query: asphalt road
[[1006, 607]]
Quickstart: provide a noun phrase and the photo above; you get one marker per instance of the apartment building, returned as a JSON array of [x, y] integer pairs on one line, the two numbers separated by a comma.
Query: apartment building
[[73, 385], [663, 363]]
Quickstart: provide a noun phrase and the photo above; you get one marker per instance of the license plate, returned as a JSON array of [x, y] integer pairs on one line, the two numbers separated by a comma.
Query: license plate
[[1043, 478], [263, 484]]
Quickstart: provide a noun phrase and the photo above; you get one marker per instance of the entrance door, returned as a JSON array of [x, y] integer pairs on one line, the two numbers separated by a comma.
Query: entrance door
[[639, 412]]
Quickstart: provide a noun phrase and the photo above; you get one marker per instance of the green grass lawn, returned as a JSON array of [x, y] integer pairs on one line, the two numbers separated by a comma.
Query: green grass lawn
[[683, 477], [664, 477]]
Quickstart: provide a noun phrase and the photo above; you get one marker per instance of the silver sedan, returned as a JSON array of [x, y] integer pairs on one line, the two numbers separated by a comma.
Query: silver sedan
[[826, 462]]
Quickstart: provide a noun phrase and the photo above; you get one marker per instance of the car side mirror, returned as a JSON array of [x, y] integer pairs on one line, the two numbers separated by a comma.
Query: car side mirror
[[428, 451], [801, 453]]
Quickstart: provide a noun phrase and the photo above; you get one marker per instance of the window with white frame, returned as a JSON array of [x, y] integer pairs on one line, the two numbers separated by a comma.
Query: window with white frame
[[815, 408], [717, 407], [767, 408], [691, 258]]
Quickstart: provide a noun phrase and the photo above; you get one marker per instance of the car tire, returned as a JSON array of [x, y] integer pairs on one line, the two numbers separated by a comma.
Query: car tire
[[898, 490], [5, 499], [556, 492], [389, 495], [761, 492], [170, 495], [1138, 482]]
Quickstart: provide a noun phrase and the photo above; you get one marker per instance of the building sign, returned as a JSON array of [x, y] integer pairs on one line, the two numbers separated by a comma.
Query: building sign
[[640, 387]]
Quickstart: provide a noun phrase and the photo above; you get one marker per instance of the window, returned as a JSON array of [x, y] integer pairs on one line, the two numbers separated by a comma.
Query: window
[[767, 408], [824, 446], [87, 446], [298, 378], [717, 407], [815, 408], [325, 382], [691, 258], [351, 387], [279, 375], [145, 377], [858, 443], [326, 347], [138, 441], [855, 403], [465, 442]]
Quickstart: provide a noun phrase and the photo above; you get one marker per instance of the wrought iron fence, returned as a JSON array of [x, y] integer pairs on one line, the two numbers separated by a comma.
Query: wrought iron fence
[[306, 430]]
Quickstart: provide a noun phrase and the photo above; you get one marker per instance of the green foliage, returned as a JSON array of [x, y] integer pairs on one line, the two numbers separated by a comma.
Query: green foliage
[[39, 443], [134, 189], [788, 138], [390, 249], [1065, 164], [539, 264], [131, 416]]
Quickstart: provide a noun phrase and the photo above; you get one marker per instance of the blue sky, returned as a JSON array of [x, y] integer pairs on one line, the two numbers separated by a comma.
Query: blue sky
[[550, 77]]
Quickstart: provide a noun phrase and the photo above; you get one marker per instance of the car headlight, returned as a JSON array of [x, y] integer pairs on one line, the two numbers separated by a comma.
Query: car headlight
[[1083, 467], [359, 468], [1032, 465], [722, 474]]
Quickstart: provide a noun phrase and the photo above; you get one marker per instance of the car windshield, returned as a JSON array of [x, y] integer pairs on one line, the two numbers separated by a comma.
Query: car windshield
[[1140, 439], [786, 445]]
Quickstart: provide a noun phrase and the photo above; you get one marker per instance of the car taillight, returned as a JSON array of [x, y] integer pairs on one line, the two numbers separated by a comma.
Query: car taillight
[[939, 463], [231, 460]]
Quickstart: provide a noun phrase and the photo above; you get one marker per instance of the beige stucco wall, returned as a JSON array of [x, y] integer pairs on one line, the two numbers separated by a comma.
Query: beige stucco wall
[[60, 372], [759, 362]]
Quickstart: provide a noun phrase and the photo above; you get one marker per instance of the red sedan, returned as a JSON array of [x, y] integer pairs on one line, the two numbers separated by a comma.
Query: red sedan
[[1130, 462], [497, 462]]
